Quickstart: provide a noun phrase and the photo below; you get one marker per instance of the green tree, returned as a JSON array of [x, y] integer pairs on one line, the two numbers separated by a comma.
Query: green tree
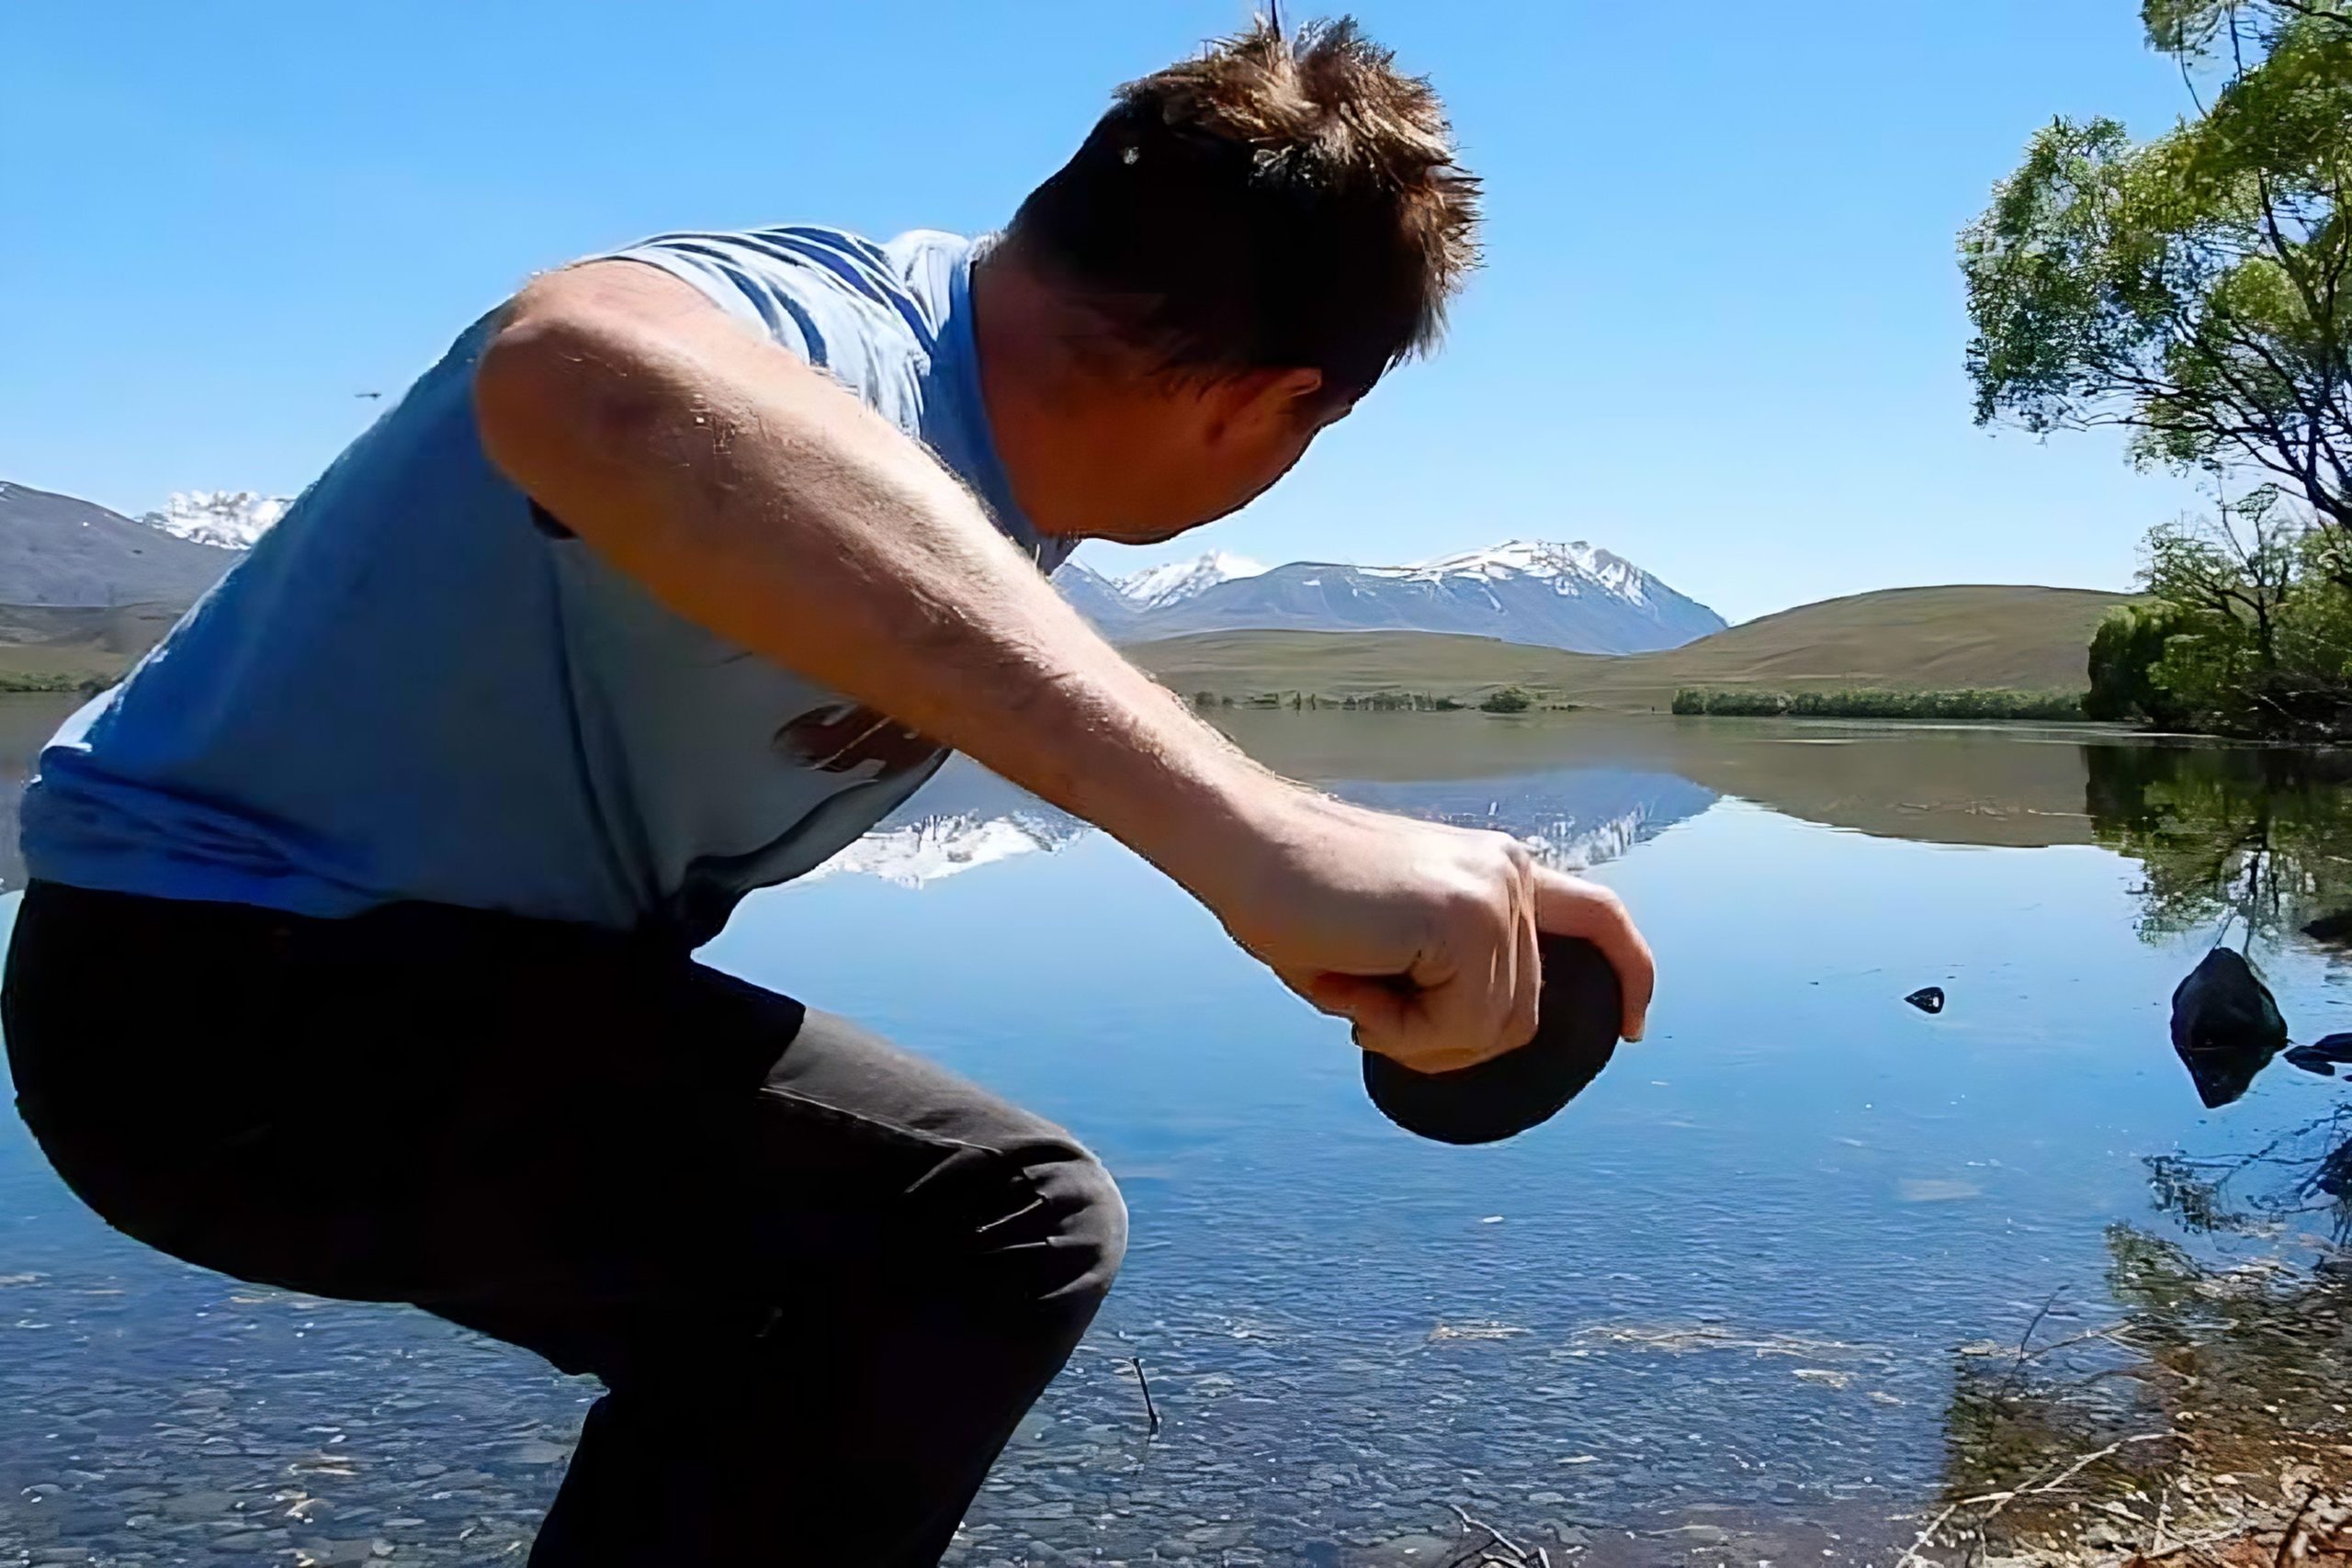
[[2236, 573], [2125, 650], [2195, 289], [2249, 632], [2195, 28], [1509, 699]]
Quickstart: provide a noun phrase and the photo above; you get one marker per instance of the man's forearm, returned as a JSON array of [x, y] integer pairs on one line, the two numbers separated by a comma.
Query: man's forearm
[[754, 497]]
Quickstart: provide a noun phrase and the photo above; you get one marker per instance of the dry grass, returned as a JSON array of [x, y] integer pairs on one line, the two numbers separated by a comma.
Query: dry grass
[[2015, 638]]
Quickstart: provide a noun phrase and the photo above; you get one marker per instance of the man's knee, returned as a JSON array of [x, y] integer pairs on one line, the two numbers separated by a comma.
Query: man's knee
[[1045, 1225], [1094, 1234]]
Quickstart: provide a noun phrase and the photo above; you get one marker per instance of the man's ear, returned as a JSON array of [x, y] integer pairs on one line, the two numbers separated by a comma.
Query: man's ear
[[1264, 397], [1298, 386]]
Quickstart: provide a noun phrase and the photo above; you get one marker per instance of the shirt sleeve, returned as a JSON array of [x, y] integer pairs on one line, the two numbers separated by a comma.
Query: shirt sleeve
[[761, 285]]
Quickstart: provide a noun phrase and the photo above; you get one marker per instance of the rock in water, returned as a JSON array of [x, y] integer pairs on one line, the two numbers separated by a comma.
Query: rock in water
[[1927, 998], [1575, 1034], [2335, 931], [2312, 1059], [2225, 1026], [2336, 1048]]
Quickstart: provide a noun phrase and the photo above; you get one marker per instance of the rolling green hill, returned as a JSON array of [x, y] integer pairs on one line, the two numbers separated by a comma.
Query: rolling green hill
[[1905, 639], [72, 645]]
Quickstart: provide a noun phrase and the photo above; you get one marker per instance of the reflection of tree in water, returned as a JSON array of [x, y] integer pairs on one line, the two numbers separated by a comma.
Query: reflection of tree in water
[[2211, 1407], [2261, 838], [2303, 1176]]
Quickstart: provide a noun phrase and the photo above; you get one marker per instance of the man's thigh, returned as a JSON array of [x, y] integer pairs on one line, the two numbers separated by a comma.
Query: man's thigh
[[446, 1106], [851, 1184], [644, 1133]]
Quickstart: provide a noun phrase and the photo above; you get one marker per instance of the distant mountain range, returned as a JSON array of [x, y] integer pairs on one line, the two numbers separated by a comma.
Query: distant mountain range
[[230, 519], [1575, 597], [56, 550]]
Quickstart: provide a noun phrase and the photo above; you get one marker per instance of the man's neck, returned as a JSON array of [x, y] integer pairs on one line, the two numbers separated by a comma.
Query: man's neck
[[1052, 431]]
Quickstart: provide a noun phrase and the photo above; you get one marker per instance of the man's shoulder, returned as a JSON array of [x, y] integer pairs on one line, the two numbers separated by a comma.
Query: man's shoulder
[[807, 281]]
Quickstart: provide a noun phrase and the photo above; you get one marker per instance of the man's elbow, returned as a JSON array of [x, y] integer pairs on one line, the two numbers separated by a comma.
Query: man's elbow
[[567, 380]]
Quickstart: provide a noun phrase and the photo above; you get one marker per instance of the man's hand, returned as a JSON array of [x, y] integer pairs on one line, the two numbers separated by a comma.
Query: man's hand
[[756, 497], [1421, 934]]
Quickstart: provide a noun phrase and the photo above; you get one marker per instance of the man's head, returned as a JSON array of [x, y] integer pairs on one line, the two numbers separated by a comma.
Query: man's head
[[1243, 246]]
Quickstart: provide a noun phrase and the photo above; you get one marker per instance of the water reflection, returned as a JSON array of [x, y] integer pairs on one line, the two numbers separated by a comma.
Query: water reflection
[[26, 723], [1708, 1314], [2256, 841], [1573, 817], [1586, 789], [964, 818], [2206, 1401]]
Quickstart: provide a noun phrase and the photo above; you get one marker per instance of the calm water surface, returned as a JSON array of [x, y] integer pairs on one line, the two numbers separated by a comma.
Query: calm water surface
[[1730, 1304]]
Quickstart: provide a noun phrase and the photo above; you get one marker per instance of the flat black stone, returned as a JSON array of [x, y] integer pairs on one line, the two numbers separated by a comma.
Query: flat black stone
[[2225, 1027], [1575, 1034]]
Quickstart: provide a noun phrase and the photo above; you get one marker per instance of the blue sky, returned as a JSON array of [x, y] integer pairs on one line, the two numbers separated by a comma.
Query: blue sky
[[1720, 330]]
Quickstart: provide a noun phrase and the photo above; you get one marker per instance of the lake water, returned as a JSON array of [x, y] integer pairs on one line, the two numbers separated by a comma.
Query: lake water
[[1732, 1305]]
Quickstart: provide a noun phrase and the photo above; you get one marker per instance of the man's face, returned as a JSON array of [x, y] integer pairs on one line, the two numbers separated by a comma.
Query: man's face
[[1214, 449]]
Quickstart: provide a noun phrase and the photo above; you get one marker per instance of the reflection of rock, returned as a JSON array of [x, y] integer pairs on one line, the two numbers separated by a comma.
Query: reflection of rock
[[2331, 931], [2225, 1026]]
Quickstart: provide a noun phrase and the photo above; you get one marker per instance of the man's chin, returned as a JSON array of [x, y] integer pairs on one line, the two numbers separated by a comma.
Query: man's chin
[[1127, 534]]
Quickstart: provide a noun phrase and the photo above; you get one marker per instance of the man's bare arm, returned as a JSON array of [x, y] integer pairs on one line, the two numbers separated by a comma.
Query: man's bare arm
[[755, 497]]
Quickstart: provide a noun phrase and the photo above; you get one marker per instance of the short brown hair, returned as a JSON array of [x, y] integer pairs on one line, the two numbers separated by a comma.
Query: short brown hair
[[1280, 201]]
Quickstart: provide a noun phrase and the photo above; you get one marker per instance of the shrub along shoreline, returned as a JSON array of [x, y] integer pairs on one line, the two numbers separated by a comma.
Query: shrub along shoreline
[[1987, 704]]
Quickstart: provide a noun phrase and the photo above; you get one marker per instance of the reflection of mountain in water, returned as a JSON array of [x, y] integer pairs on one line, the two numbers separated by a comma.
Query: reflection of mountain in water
[[1573, 817], [1930, 783], [964, 817]]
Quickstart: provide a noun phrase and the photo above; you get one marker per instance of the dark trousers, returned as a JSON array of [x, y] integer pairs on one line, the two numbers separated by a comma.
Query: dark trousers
[[821, 1279]]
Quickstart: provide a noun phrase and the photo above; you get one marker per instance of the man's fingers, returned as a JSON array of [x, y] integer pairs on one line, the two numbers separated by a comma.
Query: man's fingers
[[1566, 907], [1395, 1022], [1527, 987], [1377, 1008]]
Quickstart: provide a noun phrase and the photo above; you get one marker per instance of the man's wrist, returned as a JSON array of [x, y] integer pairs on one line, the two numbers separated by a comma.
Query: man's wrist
[[1184, 798]]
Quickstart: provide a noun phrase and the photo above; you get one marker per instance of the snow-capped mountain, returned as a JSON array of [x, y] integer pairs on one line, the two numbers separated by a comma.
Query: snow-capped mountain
[[1157, 587], [1099, 599], [1574, 596], [227, 519], [1532, 558], [59, 550]]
